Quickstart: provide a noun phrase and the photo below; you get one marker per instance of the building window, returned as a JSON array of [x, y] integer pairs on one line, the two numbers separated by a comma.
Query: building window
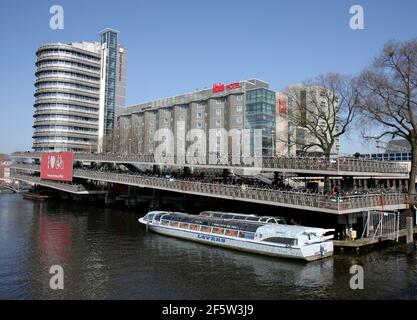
[[239, 108], [218, 122], [239, 97], [199, 124], [165, 120], [181, 117], [239, 120], [218, 101], [218, 112], [199, 115]]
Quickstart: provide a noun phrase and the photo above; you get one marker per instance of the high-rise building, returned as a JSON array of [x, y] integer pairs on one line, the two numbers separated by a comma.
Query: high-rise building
[[113, 82], [75, 84], [248, 104]]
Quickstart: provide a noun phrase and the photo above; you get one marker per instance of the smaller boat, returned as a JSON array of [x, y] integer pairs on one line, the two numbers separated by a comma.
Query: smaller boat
[[256, 234], [34, 196]]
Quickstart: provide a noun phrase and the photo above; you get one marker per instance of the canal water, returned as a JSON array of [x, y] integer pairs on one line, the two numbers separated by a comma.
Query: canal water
[[106, 254]]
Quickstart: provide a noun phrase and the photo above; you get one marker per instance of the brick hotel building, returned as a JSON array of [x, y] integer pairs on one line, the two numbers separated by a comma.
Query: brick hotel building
[[248, 104]]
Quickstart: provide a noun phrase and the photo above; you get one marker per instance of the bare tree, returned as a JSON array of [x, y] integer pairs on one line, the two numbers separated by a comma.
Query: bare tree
[[322, 109], [388, 98]]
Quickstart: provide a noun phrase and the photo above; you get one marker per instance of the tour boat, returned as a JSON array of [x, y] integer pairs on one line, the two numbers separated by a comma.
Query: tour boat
[[236, 231]]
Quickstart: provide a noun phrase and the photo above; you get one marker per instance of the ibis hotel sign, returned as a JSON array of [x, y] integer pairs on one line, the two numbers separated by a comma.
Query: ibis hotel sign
[[222, 87], [57, 166]]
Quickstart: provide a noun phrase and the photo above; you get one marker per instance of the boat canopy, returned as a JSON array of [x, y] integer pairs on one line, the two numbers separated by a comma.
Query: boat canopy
[[241, 216], [243, 225]]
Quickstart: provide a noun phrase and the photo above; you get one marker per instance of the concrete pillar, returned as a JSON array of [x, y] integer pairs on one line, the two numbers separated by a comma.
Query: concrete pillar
[[160, 200], [187, 171], [226, 173], [279, 179], [110, 199]]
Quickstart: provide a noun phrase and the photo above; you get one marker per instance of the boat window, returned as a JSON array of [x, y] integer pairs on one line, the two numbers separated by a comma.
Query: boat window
[[149, 216], [218, 230], [184, 225], [164, 222], [205, 229], [281, 240], [231, 232], [250, 235], [194, 226]]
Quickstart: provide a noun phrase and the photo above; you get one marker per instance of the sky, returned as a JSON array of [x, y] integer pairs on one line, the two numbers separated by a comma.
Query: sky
[[177, 46]]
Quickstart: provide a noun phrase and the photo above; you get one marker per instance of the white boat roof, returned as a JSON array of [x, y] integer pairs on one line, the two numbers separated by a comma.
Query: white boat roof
[[290, 231], [279, 230]]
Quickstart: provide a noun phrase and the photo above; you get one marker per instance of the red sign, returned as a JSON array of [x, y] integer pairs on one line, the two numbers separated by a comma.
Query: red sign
[[57, 166], [221, 87], [282, 105]]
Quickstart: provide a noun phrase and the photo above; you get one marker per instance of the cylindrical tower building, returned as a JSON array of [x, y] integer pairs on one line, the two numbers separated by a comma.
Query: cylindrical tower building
[[67, 97]]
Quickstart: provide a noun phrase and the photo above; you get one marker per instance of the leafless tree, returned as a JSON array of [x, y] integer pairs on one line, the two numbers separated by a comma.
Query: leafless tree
[[323, 109], [388, 98]]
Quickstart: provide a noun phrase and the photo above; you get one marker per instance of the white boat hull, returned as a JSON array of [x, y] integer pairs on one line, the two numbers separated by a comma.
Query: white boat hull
[[309, 252]]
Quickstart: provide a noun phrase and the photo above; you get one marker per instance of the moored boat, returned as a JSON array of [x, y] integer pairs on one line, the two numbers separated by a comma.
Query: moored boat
[[262, 237], [35, 196]]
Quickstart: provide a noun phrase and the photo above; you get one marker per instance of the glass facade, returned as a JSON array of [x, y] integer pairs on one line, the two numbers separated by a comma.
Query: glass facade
[[109, 40], [404, 156], [260, 114]]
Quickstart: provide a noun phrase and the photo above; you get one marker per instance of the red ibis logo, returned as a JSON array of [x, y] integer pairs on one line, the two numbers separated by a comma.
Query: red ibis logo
[[221, 87], [282, 105]]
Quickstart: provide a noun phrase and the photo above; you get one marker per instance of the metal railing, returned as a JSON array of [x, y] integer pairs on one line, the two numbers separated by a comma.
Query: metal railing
[[243, 192], [331, 166], [56, 185], [276, 197]]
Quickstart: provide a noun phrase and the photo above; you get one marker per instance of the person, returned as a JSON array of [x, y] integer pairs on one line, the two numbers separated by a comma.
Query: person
[[292, 221], [333, 190]]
